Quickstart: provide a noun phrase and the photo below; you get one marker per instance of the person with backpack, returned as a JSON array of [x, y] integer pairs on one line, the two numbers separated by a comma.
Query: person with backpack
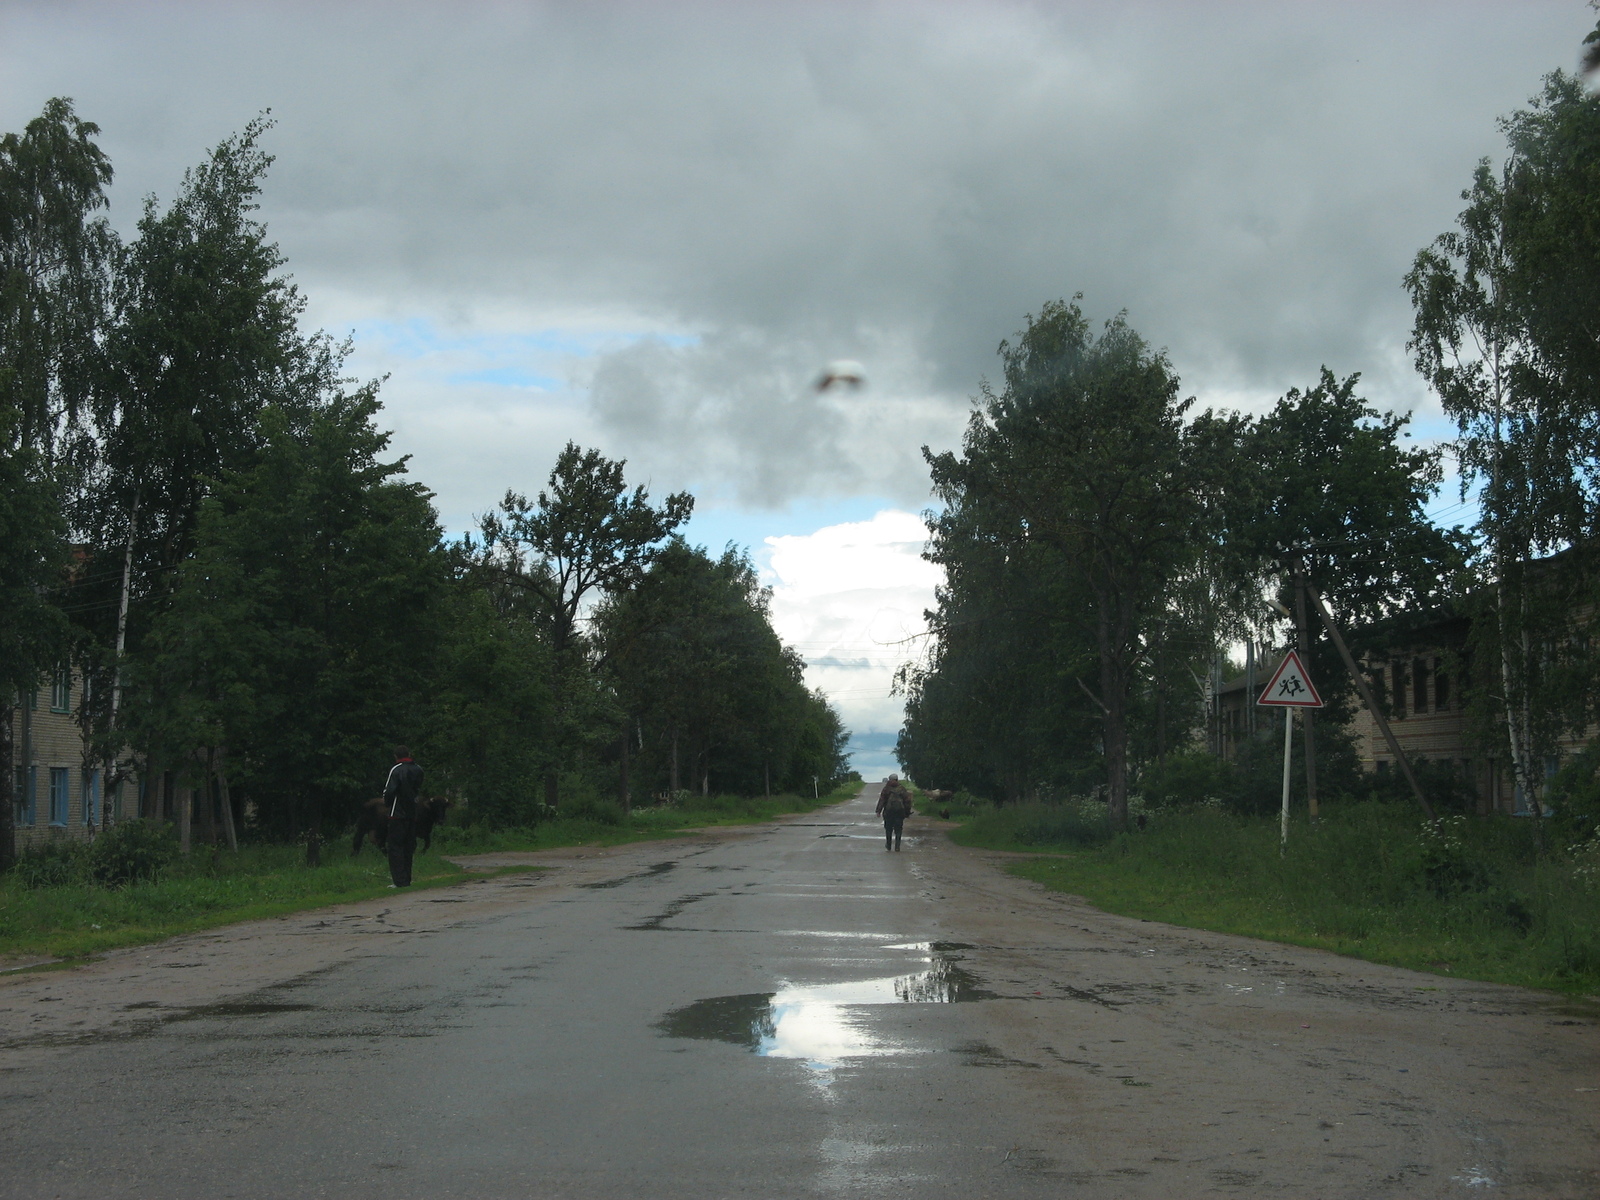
[[400, 794], [894, 806]]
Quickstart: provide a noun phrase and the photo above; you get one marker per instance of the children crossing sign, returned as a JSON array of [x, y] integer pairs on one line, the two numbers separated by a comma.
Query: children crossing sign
[[1290, 686]]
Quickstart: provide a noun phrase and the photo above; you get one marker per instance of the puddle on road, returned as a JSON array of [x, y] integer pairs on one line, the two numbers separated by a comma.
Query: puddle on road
[[818, 1023]]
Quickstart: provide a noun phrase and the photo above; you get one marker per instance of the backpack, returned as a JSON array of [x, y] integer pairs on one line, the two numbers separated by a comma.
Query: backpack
[[898, 803]]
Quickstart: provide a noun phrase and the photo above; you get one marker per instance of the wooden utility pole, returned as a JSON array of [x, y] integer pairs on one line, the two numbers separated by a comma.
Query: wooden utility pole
[[1360, 681], [1308, 718]]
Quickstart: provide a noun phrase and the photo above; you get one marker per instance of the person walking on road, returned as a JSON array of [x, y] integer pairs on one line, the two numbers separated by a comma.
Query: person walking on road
[[894, 806], [400, 800]]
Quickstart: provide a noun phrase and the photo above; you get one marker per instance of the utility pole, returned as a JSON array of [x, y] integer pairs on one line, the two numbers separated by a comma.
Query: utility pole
[[1360, 681], [1309, 717]]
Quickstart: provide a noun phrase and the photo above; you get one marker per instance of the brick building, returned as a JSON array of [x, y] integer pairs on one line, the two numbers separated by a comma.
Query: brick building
[[1416, 684], [58, 792]]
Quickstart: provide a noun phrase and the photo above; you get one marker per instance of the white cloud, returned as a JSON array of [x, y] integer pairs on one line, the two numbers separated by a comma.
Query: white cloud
[[851, 599]]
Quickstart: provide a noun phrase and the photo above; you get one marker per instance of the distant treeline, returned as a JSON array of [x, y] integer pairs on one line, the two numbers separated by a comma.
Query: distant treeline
[[199, 513]]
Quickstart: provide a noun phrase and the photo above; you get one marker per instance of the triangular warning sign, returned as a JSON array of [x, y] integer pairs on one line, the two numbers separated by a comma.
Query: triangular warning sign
[[1290, 686]]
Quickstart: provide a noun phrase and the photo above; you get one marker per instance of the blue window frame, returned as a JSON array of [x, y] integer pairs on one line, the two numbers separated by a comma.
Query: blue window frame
[[60, 795], [91, 797]]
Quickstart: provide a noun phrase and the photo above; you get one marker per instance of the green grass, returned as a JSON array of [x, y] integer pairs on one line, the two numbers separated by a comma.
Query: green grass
[[260, 881], [1370, 881], [207, 890]]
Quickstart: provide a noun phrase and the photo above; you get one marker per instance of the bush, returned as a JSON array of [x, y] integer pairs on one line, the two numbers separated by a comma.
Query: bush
[[1449, 867], [57, 863], [1192, 777], [131, 851]]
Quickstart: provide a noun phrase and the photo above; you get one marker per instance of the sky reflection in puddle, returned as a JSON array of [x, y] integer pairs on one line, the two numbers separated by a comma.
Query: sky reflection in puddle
[[820, 1024]]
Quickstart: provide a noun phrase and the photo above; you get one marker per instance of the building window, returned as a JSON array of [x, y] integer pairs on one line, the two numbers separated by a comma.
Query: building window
[[91, 797], [61, 691], [59, 783], [1419, 685], [1397, 691], [1441, 686]]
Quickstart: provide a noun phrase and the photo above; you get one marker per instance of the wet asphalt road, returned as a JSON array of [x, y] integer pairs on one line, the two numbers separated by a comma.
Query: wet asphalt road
[[798, 1013]]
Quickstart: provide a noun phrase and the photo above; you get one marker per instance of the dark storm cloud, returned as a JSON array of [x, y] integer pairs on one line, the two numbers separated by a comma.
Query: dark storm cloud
[[781, 185]]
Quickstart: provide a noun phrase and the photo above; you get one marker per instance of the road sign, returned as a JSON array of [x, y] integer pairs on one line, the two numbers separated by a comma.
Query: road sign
[[1290, 686]]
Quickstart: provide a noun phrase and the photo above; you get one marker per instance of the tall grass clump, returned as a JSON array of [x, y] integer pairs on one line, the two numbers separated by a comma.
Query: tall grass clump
[[1070, 823]]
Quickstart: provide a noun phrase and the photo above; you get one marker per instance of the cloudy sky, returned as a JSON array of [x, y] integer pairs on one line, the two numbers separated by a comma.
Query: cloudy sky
[[646, 226]]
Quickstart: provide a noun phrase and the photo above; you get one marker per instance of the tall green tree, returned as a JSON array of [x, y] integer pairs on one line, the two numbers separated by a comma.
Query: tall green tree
[[1086, 451], [205, 337], [585, 536], [995, 707], [53, 258], [1504, 333], [1333, 484], [305, 629]]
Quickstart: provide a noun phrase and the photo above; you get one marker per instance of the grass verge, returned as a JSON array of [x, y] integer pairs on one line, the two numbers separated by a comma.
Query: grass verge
[[207, 890], [1466, 898], [74, 921], [605, 824]]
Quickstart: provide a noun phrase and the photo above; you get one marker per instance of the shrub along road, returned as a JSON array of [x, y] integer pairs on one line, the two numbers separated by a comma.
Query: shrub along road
[[778, 1010]]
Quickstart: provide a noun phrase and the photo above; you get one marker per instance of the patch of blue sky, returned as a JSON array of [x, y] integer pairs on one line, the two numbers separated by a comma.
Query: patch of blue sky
[[512, 377], [872, 752]]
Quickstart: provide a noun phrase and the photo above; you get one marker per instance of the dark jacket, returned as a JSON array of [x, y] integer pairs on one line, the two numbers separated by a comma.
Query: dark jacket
[[401, 792], [897, 795]]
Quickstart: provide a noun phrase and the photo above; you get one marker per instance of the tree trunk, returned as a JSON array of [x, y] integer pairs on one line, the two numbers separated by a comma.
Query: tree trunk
[[25, 759], [1516, 714], [1114, 707], [314, 840], [766, 777], [1161, 716], [185, 800], [1116, 739], [208, 818], [108, 773], [150, 802], [8, 783], [552, 788], [228, 829], [623, 793], [674, 762]]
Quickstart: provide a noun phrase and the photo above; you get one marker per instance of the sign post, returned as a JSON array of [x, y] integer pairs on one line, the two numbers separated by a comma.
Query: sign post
[[1289, 688]]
